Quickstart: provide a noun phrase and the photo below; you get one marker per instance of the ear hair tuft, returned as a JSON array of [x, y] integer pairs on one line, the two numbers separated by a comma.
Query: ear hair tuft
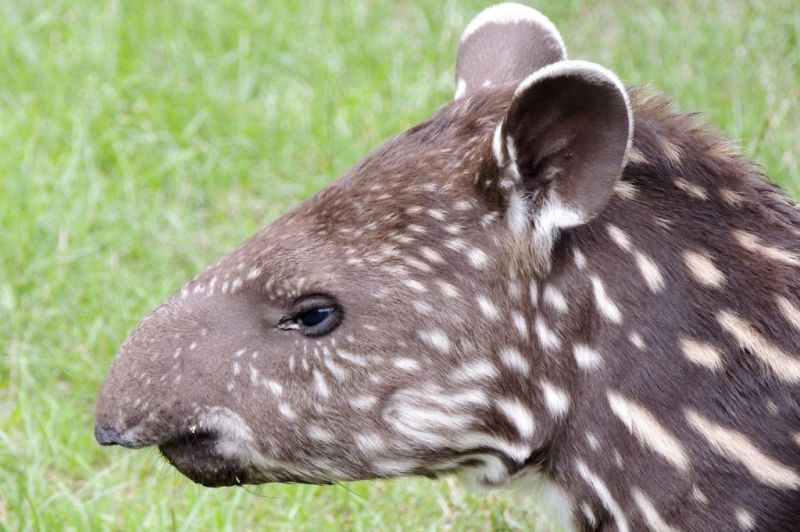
[[562, 144]]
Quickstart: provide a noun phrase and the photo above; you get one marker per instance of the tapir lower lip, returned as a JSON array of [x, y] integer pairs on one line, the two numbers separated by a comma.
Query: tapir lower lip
[[195, 456]]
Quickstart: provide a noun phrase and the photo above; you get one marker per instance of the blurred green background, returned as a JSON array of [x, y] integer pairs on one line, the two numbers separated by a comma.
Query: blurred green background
[[141, 140]]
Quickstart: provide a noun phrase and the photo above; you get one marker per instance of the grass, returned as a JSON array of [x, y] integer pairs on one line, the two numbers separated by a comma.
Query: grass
[[141, 140]]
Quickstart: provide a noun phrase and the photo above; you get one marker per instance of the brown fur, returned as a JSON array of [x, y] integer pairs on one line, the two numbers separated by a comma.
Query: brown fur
[[645, 361]]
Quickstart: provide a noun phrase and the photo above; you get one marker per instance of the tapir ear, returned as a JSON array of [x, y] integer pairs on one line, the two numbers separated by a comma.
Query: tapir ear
[[563, 143], [504, 44]]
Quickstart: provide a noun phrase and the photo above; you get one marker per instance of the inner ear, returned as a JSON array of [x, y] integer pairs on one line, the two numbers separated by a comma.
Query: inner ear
[[565, 137], [504, 44]]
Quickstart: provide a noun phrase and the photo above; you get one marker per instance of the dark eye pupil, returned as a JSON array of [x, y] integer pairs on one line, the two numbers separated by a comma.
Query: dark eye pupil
[[315, 316]]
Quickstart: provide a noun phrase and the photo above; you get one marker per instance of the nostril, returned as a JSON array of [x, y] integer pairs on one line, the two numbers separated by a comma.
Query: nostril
[[107, 436]]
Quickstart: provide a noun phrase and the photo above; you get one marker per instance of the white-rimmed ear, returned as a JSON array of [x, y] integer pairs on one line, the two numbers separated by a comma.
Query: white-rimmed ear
[[504, 44], [562, 145]]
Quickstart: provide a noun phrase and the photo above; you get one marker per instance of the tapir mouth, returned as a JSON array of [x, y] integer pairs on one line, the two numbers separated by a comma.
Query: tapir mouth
[[196, 457]]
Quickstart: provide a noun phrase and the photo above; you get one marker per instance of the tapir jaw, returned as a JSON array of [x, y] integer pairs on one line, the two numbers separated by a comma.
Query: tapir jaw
[[214, 447], [197, 458], [194, 452]]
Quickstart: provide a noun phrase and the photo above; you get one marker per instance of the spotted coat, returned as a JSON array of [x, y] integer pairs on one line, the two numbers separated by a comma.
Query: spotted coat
[[550, 277]]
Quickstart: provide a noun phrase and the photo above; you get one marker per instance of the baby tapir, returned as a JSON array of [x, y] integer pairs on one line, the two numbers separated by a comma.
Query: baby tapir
[[548, 276]]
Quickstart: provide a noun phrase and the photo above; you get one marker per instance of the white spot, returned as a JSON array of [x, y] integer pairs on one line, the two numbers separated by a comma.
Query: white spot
[[274, 387], [691, 189], [518, 414], [436, 339], [407, 364], [320, 385], [604, 495], [745, 519], [253, 374], [358, 360], [703, 269], [650, 513], [593, 442], [580, 259], [462, 205], [553, 297], [431, 255], [649, 270], [287, 412], [513, 289], [737, 447], [619, 237], [488, 308], [425, 425], [513, 359], [698, 495], [436, 214], [338, 372], [415, 285], [647, 429], [555, 399], [604, 303], [624, 189], [237, 283], [394, 467], [475, 370], [520, 324], [636, 340], [475, 440], [783, 365], [447, 289], [477, 257], [418, 264], [318, 433], [453, 229], [589, 514], [363, 402], [456, 244], [461, 88], [789, 311], [547, 337], [423, 307], [700, 352], [752, 243], [586, 357], [369, 442]]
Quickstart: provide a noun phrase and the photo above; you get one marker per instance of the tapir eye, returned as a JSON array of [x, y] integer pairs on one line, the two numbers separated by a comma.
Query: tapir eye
[[313, 316]]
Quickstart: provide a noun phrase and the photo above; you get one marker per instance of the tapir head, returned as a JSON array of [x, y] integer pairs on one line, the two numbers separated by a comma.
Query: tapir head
[[387, 325]]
